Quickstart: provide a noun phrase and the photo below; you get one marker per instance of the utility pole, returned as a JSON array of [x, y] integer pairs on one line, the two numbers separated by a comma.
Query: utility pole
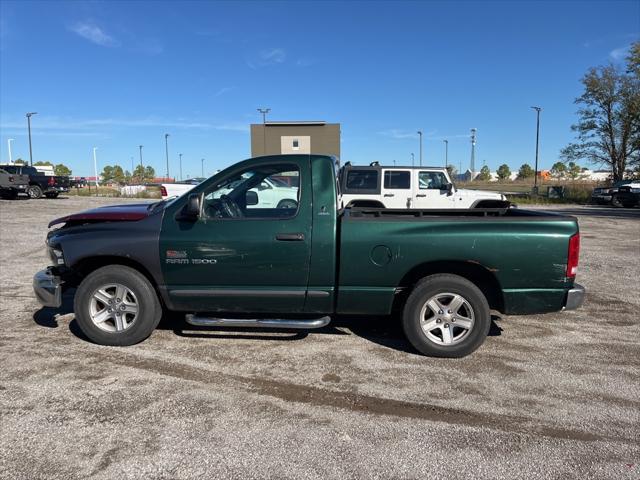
[[29, 127], [180, 155], [141, 165], [473, 150], [413, 160], [420, 135], [95, 167], [264, 112], [9, 140], [446, 153], [132, 167], [166, 149], [535, 176], [202, 166]]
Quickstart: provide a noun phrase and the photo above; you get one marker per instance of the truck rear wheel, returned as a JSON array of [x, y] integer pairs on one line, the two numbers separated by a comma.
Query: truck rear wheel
[[446, 316], [116, 305], [34, 191]]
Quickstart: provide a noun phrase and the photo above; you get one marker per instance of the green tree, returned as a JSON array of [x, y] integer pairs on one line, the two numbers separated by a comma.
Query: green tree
[[149, 173], [127, 177], [525, 172], [62, 170], [503, 172], [484, 175], [19, 161], [138, 174], [558, 170], [40, 163], [107, 174], [573, 171], [608, 128]]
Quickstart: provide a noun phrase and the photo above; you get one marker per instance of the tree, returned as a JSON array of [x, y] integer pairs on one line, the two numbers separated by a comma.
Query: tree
[[608, 128], [452, 171], [112, 174], [19, 161], [138, 174], [573, 171], [62, 170], [40, 163], [558, 170], [149, 173], [484, 175], [503, 172], [525, 172]]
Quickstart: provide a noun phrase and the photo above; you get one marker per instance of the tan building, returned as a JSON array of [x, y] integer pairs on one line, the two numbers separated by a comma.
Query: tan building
[[275, 138]]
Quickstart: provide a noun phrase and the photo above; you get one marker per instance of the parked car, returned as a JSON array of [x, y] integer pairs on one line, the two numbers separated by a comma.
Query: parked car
[[39, 183], [409, 187], [175, 189], [11, 185], [608, 195], [629, 195], [224, 261]]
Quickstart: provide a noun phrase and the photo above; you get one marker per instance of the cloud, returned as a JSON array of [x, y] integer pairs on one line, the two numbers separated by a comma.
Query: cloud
[[54, 123], [93, 33], [618, 54], [266, 58], [223, 90]]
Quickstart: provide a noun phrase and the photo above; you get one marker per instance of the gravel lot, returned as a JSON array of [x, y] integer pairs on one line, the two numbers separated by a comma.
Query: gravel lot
[[546, 396]]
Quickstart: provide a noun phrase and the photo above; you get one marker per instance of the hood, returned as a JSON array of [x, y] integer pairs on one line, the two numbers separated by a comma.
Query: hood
[[483, 194], [113, 213]]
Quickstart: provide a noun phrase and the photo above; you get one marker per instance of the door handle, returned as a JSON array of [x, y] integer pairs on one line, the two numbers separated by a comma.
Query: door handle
[[290, 237], [421, 195], [389, 195]]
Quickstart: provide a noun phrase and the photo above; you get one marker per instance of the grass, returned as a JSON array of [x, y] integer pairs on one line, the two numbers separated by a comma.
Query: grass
[[150, 192], [574, 191]]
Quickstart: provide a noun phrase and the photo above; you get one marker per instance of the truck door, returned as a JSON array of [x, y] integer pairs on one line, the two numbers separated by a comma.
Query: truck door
[[431, 190], [242, 254], [396, 189]]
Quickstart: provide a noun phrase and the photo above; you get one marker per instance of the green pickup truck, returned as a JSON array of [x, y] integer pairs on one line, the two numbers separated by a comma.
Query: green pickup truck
[[223, 258]]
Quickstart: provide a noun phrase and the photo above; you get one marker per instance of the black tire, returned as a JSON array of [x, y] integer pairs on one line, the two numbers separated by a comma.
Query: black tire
[[34, 191], [287, 203], [52, 194], [443, 284], [629, 205], [616, 202], [149, 313]]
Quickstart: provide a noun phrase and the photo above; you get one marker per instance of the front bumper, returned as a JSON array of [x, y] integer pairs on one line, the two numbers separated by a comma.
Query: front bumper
[[575, 297], [48, 288]]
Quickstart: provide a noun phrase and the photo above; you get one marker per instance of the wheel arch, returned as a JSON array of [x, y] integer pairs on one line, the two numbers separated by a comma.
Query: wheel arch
[[476, 273], [365, 204]]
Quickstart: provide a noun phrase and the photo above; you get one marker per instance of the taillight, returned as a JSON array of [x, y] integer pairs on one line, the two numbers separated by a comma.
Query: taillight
[[163, 190], [52, 181], [572, 257], [11, 179]]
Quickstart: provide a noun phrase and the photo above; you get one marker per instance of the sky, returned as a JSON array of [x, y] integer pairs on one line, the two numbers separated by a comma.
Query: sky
[[115, 75]]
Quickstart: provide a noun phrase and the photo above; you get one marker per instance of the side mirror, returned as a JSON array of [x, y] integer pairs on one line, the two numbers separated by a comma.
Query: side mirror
[[449, 188], [191, 211], [251, 198]]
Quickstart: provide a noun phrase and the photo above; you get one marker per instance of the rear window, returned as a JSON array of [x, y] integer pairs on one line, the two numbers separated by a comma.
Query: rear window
[[362, 180], [397, 179]]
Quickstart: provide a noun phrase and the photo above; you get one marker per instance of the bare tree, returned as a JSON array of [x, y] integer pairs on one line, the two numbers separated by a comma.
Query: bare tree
[[608, 129]]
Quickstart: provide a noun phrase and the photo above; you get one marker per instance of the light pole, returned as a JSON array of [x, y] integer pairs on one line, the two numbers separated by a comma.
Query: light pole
[[264, 112], [180, 155], [202, 166], [535, 175], [29, 127], [420, 135], [166, 149], [473, 151], [413, 160], [446, 153], [9, 140], [95, 165]]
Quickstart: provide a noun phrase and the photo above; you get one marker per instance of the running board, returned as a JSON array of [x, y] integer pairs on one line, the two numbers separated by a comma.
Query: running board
[[200, 321]]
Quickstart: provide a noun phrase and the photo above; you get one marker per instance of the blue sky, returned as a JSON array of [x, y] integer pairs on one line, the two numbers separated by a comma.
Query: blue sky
[[115, 75]]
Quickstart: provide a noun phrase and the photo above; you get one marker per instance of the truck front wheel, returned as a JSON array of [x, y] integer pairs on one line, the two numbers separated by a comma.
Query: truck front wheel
[[34, 191], [446, 316], [116, 305]]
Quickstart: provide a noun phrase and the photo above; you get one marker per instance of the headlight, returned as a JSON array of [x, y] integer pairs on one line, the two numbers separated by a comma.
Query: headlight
[[635, 190]]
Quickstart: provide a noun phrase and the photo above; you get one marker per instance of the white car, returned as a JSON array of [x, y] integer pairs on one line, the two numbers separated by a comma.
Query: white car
[[376, 186], [272, 192]]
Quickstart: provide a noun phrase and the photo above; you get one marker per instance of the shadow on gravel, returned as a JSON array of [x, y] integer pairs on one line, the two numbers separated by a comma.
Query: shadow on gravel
[[46, 316]]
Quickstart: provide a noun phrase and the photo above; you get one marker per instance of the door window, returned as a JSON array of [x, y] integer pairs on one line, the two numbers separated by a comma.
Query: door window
[[270, 191], [397, 179], [432, 181]]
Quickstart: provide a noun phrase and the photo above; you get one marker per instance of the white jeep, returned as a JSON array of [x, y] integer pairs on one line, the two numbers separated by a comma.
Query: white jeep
[[376, 186]]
